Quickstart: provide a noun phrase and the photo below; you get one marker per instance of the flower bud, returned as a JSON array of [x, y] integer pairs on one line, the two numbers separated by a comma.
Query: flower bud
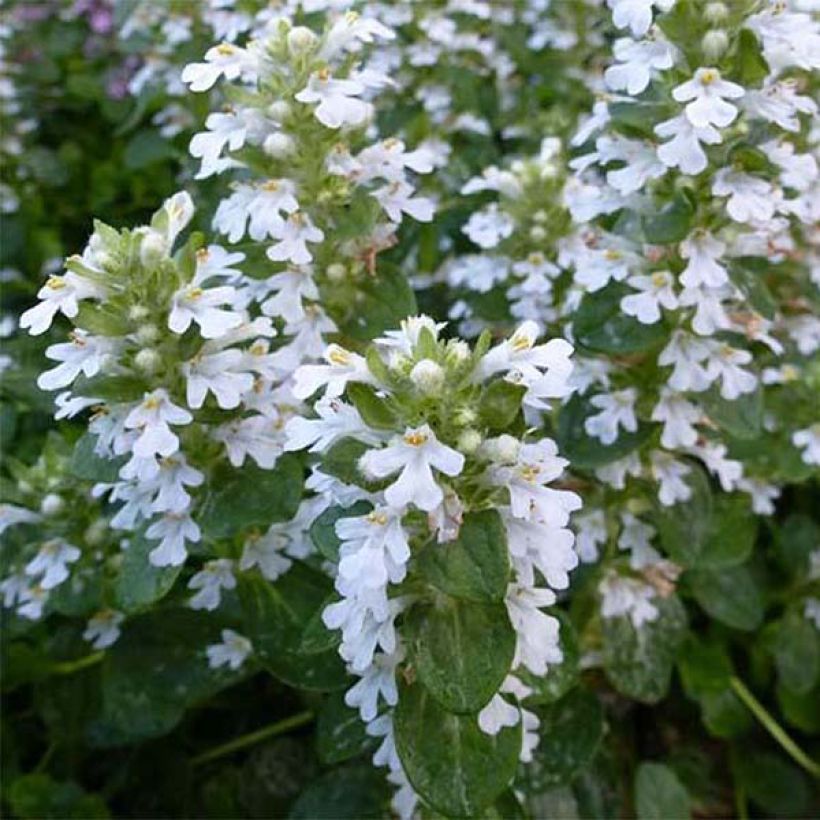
[[136, 313], [278, 145], [714, 44], [469, 441], [95, 534], [152, 248], [51, 504], [508, 184], [503, 449], [427, 375], [458, 351], [715, 12], [148, 360], [538, 233], [464, 416], [336, 272], [279, 111], [146, 334], [540, 217], [300, 40]]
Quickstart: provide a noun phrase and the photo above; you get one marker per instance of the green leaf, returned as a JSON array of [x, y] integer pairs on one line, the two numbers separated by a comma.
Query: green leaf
[[602, 327], [732, 533], [724, 715], [251, 497], [659, 795], [741, 418], [340, 732], [704, 667], [139, 583], [146, 147], [685, 527], [802, 711], [775, 785], [342, 462], [87, 465], [317, 637], [275, 615], [323, 529], [382, 301], [372, 409], [729, 595], [672, 223], [476, 566], [100, 320], [638, 662], [450, 762], [570, 732], [38, 796], [156, 670], [796, 648], [795, 540], [748, 274], [586, 452], [348, 793], [749, 66], [460, 650], [500, 404]]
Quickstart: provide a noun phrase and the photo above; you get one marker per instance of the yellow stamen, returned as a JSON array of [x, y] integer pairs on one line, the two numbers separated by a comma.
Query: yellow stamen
[[415, 439]]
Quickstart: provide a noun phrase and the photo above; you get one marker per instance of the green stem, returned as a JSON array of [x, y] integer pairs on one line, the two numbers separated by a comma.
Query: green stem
[[252, 738], [775, 729], [70, 667]]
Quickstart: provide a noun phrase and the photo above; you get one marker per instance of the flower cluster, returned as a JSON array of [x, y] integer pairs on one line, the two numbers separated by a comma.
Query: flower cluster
[[436, 432]]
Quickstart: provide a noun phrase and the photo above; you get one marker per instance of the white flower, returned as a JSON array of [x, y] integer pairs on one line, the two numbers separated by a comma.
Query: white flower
[[708, 94], [59, 294], [210, 581], [342, 367], [713, 456], [32, 601], [378, 680], [172, 531], [11, 514], [627, 596], [636, 538], [544, 369], [779, 102], [397, 198], [83, 354], [537, 644], [415, 454], [762, 493], [703, 269], [808, 440], [498, 714], [548, 549], [684, 150], [751, 199], [233, 651], [670, 473], [685, 353], [215, 261], [195, 304], [51, 563], [678, 417], [226, 128], [223, 60], [272, 199], [725, 363], [348, 31], [151, 418], [638, 62], [615, 473], [812, 611], [259, 437], [217, 373], [338, 100], [291, 288], [655, 291], [617, 410], [640, 163], [530, 499], [591, 533], [489, 226], [636, 14], [103, 628], [266, 552], [169, 485], [336, 421], [297, 230]]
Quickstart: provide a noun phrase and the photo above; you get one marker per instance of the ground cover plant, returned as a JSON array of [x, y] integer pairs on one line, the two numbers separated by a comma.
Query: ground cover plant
[[410, 409]]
